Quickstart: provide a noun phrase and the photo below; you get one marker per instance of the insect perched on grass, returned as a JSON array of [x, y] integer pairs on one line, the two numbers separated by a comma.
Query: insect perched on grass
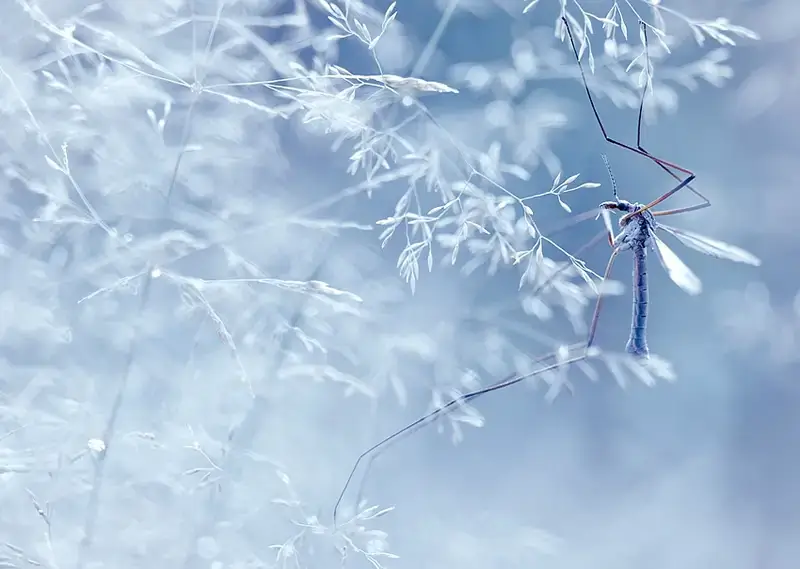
[[638, 226], [638, 233]]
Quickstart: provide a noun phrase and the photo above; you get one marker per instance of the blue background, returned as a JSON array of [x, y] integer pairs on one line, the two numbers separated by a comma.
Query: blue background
[[698, 472]]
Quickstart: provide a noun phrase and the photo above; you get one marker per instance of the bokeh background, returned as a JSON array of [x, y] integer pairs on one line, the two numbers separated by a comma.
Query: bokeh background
[[188, 416]]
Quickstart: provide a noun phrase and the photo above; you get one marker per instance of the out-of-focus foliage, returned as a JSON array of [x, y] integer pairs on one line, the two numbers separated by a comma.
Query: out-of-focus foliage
[[200, 199]]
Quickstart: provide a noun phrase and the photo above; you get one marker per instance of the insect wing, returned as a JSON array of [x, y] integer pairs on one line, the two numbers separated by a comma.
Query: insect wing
[[573, 221], [712, 247], [680, 274], [584, 273], [607, 221]]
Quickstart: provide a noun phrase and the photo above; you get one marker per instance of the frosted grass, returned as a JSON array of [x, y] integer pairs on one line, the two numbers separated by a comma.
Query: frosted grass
[[181, 285]]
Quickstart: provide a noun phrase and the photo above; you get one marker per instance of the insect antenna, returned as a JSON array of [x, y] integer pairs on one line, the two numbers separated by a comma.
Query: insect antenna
[[374, 451], [611, 176]]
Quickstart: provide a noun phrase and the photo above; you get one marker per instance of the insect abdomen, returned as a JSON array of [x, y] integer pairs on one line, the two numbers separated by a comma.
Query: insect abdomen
[[637, 343]]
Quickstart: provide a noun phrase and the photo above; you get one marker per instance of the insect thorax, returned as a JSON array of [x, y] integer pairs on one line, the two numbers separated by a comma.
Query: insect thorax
[[636, 230]]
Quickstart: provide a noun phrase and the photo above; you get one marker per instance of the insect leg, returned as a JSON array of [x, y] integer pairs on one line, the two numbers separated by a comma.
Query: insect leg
[[663, 166], [372, 452], [640, 151], [598, 305], [608, 233], [682, 209], [661, 198]]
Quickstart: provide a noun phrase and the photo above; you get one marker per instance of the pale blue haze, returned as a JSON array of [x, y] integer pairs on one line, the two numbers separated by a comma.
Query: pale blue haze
[[271, 389]]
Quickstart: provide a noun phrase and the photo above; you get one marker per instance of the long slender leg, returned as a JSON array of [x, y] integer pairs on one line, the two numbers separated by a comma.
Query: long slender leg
[[607, 232], [681, 209], [663, 164], [660, 199], [373, 451], [706, 201], [613, 141], [599, 304]]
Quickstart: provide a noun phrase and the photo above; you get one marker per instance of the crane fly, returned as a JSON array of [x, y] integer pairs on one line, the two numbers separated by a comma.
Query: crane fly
[[638, 234], [638, 224], [638, 229]]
